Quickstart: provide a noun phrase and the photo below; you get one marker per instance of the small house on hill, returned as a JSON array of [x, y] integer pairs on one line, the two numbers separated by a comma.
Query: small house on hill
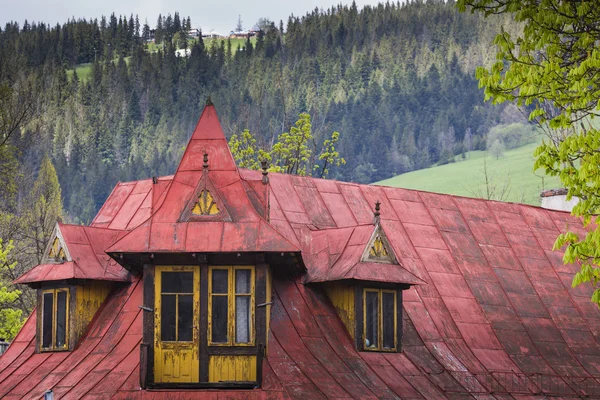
[[218, 282]]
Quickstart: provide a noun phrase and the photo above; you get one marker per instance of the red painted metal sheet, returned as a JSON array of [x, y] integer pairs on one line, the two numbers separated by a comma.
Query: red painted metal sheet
[[425, 236], [168, 237], [488, 233], [127, 211], [340, 211], [374, 194], [311, 200], [360, 207], [412, 212], [114, 202]]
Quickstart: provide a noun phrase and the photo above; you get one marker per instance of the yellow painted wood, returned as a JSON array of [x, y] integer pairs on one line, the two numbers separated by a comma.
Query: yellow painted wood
[[378, 249], [231, 296], [88, 299], [53, 347], [205, 205], [232, 369], [176, 361], [342, 297]]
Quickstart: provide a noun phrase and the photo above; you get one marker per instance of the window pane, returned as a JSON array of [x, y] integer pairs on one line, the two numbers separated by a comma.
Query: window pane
[[242, 319], [177, 282], [219, 280], [47, 319], [219, 319], [242, 281], [186, 316], [167, 317], [371, 308], [388, 320], [61, 318]]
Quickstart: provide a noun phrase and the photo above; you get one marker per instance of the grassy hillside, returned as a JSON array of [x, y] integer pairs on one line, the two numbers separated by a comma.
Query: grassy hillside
[[466, 177]]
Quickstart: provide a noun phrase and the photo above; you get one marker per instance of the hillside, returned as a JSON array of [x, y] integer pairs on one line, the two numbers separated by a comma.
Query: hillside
[[467, 178], [395, 80]]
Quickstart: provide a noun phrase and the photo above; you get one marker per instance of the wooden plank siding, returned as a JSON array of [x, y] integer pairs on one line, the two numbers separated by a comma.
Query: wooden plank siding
[[342, 296]]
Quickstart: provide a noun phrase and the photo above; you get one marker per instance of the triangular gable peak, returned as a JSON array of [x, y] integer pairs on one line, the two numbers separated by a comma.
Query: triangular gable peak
[[205, 203], [378, 248], [56, 250]]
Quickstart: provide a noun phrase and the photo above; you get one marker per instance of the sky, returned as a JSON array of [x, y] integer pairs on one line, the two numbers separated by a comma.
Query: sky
[[218, 15]]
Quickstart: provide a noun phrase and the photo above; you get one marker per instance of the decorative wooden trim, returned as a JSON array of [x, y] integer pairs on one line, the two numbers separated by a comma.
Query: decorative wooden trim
[[56, 234], [399, 321], [205, 184], [367, 257], [358, 304], [68, 321], [360, 313], [147, 373], [203, 348]]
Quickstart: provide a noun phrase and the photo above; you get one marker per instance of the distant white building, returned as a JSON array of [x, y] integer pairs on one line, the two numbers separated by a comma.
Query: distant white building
[[212, 35], [194, 33], [183, 52]]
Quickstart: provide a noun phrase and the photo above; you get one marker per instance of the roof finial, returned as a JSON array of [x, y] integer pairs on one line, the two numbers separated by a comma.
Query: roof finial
[[209, 102], [205, 165], [265, 173], [376, 213]]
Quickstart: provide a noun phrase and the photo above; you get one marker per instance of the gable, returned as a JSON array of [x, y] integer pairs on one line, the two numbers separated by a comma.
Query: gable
[[378, 248], [56, 249], [205, 203]]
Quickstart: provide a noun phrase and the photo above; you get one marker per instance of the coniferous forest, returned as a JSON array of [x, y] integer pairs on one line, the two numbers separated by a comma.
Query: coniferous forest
[[396, 80]]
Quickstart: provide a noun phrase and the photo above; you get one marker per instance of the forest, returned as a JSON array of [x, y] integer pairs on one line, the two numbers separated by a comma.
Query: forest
[[395, 80]]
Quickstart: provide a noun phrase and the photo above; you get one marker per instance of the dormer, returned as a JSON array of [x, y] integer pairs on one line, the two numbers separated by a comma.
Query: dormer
[[206, 257], [358, 269], [72, 282]]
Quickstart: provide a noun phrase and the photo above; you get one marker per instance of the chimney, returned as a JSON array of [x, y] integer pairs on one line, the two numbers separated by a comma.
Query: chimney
[[556, 199]]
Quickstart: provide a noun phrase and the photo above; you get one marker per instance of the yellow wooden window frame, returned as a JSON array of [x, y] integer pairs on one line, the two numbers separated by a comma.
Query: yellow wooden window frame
[[53, 346], [380, 320], [231, 296], [158, 300]]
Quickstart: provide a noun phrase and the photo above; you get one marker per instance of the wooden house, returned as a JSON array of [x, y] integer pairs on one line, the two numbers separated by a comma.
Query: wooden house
[[224, 283]]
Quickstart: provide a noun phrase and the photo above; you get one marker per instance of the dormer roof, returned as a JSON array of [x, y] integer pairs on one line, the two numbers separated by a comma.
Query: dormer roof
[[207, 169], [77, 252], [360, 253]]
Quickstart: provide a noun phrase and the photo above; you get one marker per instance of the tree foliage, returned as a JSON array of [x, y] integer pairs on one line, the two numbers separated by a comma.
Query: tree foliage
[[391, 78], [552, 70], [295, 152], [10, 314]]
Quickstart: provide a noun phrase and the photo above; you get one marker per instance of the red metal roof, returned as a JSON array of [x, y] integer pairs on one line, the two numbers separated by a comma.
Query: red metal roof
[[165, 231], [496, 316], [337, 254], [86, 247]]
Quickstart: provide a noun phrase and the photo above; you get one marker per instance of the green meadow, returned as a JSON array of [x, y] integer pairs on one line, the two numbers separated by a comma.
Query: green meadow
[[466, 177]]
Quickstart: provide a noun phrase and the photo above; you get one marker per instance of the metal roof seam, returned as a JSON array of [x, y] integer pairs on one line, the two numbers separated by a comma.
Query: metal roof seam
[[116, 314], [493, 214], [544, 304], [104, 204], [134, 349]]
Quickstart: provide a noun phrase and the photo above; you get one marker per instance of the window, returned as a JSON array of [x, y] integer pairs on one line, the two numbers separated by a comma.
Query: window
[[231, 306], [176, 320], [55, 320], [203, 319], [380, 319]]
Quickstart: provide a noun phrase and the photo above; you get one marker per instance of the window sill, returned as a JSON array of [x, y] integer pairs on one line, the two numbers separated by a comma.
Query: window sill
[[167, 387]]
